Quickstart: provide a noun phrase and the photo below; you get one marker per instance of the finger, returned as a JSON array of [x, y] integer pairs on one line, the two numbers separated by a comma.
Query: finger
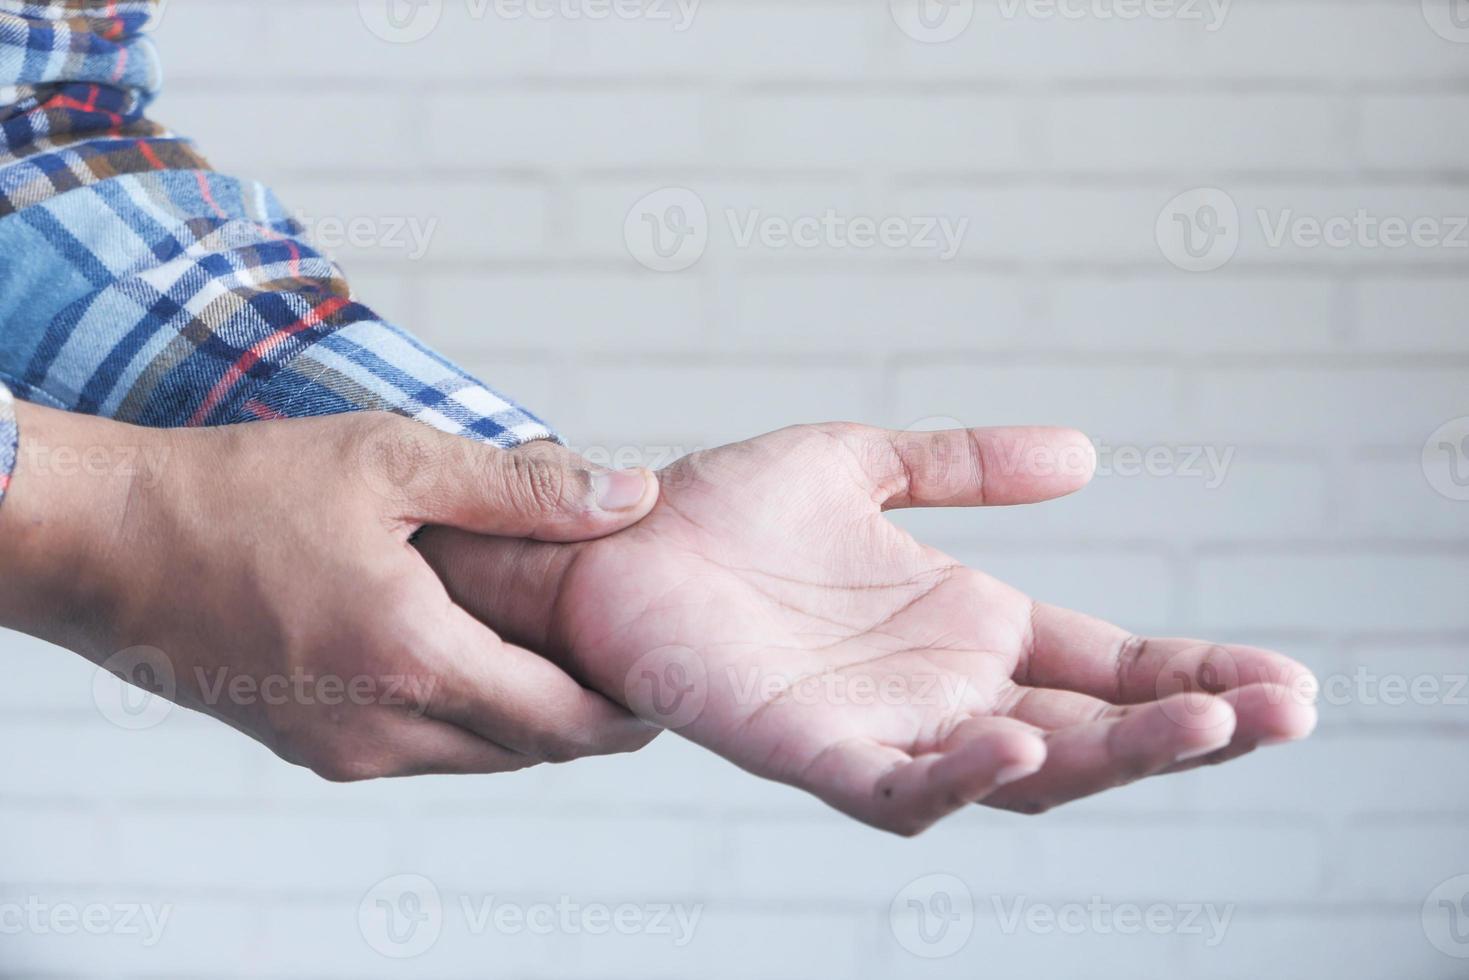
[[1050, 709], [428, 748], [886, 787], [527, 704], [1268, 715], [538, 490], [1127, 746], [1076, 652], [974, 467]]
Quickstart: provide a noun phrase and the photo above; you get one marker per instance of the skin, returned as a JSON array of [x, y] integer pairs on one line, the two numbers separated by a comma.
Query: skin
[[767, 610], [263, 574]]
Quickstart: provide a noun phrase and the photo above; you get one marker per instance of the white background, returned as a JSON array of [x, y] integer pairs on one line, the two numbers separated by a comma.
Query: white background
[[1323, 370]]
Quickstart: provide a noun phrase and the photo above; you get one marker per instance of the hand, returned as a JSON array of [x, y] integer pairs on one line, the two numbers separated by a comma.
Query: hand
[[263, 574], [767, 610]]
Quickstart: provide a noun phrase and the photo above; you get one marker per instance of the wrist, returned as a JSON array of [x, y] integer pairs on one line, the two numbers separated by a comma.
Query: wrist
[[67, 524]]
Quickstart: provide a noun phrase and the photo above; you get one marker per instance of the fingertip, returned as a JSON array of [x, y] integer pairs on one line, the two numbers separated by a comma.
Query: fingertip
[[1293, 724], [1210, 726], [1024, 756], [1038, 463]]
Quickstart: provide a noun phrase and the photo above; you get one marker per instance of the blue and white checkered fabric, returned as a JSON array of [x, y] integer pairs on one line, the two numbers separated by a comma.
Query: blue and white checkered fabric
[[137, 283]]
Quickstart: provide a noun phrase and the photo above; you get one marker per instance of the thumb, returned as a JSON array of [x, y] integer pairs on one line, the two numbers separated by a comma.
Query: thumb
[[540, 490]]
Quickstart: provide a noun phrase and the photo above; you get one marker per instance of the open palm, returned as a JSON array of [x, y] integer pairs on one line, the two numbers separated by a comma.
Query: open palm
[[767, 610]]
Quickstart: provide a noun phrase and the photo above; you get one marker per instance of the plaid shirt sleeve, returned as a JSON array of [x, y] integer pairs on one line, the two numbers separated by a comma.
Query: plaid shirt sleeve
[[139, 284], [9, 440]]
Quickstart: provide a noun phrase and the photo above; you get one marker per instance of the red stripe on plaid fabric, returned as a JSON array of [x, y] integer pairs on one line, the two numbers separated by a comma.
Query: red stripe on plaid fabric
[[150, 156], [263, 412], [203, 178], [257, 352]]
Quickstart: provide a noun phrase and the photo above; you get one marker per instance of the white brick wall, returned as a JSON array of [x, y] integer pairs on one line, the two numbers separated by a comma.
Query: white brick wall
[[1320, 372]]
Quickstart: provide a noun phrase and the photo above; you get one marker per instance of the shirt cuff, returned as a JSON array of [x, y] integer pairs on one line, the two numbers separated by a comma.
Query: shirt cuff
[[9, 439]]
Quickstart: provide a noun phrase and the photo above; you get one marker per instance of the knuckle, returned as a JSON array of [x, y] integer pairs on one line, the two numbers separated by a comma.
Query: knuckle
[[1031, 807], [391, 452], [538, 484], [567, 746], [908, 827], [636, 741], [348, 766]]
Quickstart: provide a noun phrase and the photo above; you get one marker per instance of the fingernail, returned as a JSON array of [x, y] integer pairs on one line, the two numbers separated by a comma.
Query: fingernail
[[619, 489], [1197, 751], [1018, 771]]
